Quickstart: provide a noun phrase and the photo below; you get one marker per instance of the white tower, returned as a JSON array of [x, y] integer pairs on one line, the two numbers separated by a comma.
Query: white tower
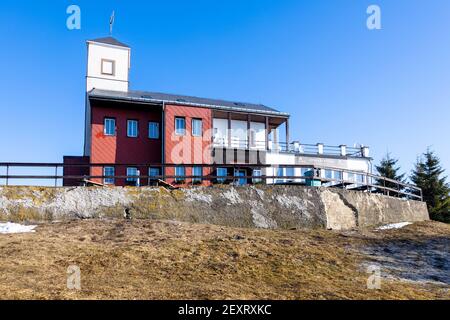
[[108, 66]]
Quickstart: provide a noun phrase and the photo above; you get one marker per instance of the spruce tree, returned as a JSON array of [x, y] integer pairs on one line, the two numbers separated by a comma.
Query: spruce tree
[[388, 168], [428, 175]]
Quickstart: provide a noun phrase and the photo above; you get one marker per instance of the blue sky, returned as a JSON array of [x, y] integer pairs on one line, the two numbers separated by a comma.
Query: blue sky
[[341, 82]]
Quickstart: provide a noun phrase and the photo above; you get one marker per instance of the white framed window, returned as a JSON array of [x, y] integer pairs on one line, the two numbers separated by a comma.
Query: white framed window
[[180, 172], [351, 177], [132, 174], [109, 127], [222, 172], [132, 128], [290, 172], [153, 130], [197, 172], [153, 172], [108, 173], [197, 125], [280, 174], [108, 67], [257, 173], [180, 126]]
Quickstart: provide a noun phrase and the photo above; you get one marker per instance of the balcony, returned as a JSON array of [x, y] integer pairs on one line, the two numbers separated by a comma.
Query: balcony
[[295, 148]]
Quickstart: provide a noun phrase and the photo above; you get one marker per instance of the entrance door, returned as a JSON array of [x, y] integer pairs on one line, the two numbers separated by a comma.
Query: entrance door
[[241, 173]]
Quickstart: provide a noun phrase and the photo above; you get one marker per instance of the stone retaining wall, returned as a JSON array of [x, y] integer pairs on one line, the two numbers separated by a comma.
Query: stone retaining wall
[[273, 207]]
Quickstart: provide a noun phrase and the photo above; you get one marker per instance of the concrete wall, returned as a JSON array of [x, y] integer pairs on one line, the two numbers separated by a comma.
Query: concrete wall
[[270, 207]]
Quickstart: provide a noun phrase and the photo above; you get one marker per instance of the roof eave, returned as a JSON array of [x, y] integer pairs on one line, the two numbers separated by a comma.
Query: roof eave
[[210, 106]]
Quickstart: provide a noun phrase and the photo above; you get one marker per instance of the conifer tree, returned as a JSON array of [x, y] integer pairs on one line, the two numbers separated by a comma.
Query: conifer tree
[[428, 175], [388, 168]]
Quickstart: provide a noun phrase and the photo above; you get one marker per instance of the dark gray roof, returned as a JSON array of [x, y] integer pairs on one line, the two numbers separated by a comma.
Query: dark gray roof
[[152, 97], [111, 41]]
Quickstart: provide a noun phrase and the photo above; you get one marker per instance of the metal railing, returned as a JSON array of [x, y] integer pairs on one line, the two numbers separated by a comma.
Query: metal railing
[[325, 176], [295, 148]]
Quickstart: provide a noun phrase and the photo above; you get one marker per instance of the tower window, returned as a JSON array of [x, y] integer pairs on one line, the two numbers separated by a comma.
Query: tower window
[[108, 67]]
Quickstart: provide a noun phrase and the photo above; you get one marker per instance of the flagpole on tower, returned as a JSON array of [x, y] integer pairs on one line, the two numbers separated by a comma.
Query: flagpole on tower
[[111, 22]]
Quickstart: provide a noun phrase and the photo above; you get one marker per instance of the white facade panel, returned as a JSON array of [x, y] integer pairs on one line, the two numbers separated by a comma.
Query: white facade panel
[[108, 67]]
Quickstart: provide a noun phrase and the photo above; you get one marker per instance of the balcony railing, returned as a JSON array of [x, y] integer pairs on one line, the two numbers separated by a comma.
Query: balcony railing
[[294, 147]]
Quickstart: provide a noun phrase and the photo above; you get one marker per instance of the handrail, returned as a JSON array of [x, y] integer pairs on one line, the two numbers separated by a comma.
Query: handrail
[[368, 179]]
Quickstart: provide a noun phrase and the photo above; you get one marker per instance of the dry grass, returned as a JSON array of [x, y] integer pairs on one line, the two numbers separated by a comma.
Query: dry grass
[[170, 260]]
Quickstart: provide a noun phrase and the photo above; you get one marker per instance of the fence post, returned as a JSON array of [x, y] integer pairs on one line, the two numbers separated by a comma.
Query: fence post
[[7, 174], [56, 176]]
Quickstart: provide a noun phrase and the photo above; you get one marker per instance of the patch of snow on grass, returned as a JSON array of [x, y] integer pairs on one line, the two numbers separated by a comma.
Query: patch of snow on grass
[[7, 228], [394, 226]]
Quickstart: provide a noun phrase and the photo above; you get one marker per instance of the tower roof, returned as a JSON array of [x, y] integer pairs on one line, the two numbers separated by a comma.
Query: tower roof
[[111, 41]]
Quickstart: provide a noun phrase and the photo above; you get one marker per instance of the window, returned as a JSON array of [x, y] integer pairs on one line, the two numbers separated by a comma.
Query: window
[[132, 128], [109, 127], [153, 130], [221, 172], [108, 172], [280, 174], [252, 142], [197, 172], [257, 173], [196, 127], [329, 174], [180, 126], [350, 176], [132, 175], [180, 173], [338, 175], [108, 67], [360, 178], [153, 172], [290, 172]]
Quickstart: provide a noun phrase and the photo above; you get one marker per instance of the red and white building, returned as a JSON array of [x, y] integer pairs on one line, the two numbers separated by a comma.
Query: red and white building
[[125, 127]]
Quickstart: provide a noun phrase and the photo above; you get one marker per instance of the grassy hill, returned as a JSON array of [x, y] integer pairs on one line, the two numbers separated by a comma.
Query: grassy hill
[[144, 259]]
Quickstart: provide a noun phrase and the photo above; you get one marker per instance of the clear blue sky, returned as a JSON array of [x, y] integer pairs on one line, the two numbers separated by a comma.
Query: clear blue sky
[[389, 89]]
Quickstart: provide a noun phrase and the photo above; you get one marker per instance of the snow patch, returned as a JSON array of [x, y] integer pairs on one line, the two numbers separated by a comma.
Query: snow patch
[[394, 226], [8, 228]]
